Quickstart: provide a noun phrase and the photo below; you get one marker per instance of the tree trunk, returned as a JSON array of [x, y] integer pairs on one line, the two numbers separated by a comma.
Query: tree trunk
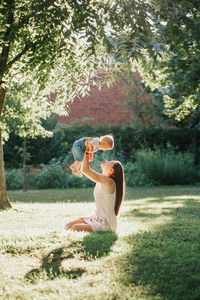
[[25, 167], [4, 201]]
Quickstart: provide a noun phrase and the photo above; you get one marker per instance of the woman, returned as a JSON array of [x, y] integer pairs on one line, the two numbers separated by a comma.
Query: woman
[[108, 194]]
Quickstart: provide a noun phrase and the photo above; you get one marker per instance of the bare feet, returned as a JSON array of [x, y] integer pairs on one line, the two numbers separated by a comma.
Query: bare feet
[[77, 172]]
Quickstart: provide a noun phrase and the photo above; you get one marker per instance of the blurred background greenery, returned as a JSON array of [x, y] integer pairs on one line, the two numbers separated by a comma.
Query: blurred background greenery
[[169, 156]]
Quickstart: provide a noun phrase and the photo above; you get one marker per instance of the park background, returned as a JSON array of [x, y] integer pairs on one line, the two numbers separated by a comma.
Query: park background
[[154, 149], [56, 55]]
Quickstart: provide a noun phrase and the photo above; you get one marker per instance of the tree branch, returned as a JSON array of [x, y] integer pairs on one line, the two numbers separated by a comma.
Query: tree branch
[[4, 68], [26, 48], [18, 56], [6, 44]]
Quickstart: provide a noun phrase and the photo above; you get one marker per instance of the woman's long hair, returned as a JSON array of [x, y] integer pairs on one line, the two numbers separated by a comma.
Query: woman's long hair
[[118, 177]]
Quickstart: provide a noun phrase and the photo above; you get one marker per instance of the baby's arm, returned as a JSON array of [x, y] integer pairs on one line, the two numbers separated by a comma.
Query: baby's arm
[[89, 147], [91, 156]]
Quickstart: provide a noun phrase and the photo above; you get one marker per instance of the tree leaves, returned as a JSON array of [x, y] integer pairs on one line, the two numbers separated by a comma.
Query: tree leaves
[[79, 34]]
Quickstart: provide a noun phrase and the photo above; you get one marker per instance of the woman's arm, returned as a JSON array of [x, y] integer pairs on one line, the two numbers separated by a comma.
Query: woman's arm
[[91, 174], [107, 183]]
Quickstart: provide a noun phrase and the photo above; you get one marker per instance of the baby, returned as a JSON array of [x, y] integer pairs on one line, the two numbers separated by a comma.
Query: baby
[[90, 145]]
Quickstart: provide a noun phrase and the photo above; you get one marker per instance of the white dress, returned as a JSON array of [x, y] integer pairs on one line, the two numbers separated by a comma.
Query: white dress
[[104, 218]]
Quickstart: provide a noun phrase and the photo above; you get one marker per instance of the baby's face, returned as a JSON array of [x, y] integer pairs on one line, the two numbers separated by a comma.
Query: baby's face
[[104, 146]]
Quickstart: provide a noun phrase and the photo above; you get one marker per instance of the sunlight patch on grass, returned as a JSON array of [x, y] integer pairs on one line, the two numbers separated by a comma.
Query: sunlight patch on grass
[[17, 265], [183, 197]]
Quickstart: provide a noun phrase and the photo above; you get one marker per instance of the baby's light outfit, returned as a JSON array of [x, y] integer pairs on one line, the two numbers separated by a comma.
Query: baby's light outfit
[[78, 148]]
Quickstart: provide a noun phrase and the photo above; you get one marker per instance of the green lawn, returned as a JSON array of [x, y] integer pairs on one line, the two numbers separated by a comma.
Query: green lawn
[[154, 255]]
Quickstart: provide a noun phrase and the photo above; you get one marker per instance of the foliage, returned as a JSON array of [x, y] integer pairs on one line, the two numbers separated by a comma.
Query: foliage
[[128, 140], [42, 34], [40, 45], [23, 113], [58, 45], [78, 182], [166, 168], [51, 176], [133, 175], [150, 167], [174, 77], [49, 39], [145, 111], [14, 179]]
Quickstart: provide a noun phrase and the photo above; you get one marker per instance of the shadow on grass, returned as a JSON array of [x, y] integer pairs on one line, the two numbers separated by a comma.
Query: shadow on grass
[[51, 267], [93, 246], [98, 244], [166, 262]]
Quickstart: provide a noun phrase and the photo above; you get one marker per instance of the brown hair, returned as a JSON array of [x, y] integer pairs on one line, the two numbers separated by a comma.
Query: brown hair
[[118, 177], [108, 139]]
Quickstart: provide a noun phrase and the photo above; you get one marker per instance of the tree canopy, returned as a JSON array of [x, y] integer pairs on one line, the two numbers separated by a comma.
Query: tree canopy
[[175, 74], [23, 114]]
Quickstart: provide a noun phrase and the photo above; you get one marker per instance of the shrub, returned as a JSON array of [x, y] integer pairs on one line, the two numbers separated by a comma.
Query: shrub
[[14, 179], [128, 139], [133, 177], [30, 184], [78, 182], [166, 168], [52, 176], [148, 167]]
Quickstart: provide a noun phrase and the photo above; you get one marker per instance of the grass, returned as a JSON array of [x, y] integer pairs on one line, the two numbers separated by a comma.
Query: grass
[[154, 255]]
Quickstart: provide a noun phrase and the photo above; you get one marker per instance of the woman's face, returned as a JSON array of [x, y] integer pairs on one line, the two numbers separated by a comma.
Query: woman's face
[[107, 168]]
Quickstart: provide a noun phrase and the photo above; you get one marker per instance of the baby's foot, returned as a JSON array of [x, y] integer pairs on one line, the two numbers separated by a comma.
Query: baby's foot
[[77, 172]]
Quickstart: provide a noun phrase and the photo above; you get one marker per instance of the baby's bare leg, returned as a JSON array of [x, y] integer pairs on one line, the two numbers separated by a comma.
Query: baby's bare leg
[[76, 165]]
